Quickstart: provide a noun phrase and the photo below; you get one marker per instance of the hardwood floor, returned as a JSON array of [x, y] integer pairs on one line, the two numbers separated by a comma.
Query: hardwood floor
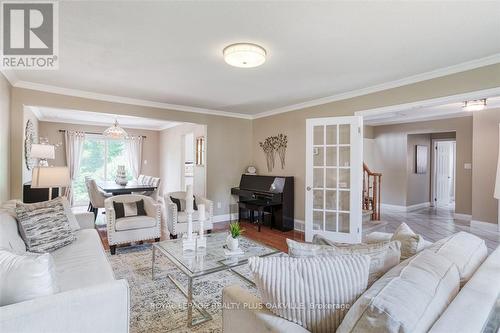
[[432, 223]]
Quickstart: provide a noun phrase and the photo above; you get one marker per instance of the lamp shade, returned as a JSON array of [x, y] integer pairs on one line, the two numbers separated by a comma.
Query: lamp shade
[[42, 151], [44, 177]]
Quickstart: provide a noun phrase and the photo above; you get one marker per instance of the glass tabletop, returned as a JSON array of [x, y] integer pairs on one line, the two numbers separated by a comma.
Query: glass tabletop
[[213, 258]]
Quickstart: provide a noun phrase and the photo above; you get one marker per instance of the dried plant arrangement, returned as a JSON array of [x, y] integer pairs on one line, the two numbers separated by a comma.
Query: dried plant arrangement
[[275, 145], [281, 144], [268, 149]]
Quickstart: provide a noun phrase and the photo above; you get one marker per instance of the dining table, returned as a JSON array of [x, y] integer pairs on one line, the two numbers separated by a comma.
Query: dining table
[[112, 187]]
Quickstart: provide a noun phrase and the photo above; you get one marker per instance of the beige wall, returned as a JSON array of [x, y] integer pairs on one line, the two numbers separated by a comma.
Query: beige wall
[[397, 184], [28, 115], [227, 152], [5, 90], [418, 190], [294, 124], [484, 165], [150, 159], [172, 158]]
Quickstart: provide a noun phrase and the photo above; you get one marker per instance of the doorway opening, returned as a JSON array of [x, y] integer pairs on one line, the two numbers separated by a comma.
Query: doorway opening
[[444, 173]]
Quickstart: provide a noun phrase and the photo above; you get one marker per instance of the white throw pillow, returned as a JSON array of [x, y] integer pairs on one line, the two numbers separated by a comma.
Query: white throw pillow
[[411, 243], [315, 293], [383, 256], [25, 277], [465, 250], [408, 298]]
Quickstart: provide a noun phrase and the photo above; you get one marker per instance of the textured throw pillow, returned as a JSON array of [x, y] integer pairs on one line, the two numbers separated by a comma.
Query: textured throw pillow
[[127, 209], [383, 256], [314, 293], [25, 277], [408, 298], [411, 243], [181, 203], [465, 250], [44, 226]]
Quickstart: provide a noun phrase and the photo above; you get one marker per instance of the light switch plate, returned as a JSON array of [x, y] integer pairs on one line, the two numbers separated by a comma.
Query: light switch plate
[[467, 166]]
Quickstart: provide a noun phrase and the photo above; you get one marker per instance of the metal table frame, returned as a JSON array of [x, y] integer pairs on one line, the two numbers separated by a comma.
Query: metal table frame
[[191, 303]]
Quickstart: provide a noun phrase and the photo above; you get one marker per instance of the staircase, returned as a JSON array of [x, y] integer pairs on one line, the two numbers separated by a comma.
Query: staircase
[[371, 194]]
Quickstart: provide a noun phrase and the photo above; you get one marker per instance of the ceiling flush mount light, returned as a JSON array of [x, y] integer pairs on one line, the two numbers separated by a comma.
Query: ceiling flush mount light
[[115, 132], [475, 105], [244, 55]]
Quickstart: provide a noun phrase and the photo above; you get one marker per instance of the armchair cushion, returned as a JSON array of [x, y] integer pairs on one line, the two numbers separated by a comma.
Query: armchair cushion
[[127, 209], [134, 222], [181, 203], [182, 216]]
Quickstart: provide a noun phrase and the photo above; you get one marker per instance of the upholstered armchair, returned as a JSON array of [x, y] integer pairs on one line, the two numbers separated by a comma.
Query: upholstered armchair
[[132, 228], [177, 220]]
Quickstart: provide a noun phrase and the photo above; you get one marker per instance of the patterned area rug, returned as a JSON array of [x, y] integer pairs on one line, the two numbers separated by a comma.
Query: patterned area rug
[[158, 306]]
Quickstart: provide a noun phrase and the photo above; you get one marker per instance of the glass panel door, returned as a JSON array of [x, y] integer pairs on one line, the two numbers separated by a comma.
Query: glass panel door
[[333, 184]]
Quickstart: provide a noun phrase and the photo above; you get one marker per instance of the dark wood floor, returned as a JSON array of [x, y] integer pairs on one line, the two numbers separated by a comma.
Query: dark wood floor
[[268, 236]]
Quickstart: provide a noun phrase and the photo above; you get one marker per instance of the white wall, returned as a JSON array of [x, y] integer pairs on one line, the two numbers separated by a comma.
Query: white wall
[[5, 90], [172, 158]]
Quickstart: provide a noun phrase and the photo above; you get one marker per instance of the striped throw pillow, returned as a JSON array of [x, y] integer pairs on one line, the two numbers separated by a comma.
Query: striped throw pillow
[[44, 226], [315, 292]]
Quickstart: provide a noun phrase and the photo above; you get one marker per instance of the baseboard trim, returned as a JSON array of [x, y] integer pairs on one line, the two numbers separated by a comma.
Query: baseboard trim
[[418, 206], [393, 207], [299, 225], [225, 218], [464, 217], [411, 208], [486, 226]]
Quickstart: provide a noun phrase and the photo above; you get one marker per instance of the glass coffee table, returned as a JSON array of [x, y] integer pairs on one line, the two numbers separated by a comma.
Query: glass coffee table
[[205, 261]]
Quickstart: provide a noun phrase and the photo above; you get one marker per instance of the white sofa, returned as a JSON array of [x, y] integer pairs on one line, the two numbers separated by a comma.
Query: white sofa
[[468, 311], [90, 299]]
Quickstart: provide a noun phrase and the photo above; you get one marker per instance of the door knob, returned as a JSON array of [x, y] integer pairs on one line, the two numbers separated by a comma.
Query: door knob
[[308, 188]]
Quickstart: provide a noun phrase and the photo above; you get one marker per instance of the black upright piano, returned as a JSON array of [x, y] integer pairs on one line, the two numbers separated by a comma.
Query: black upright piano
[[270, 195]]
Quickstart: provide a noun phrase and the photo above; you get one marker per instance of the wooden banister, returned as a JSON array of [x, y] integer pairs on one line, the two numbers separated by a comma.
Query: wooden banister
[[371, 191]]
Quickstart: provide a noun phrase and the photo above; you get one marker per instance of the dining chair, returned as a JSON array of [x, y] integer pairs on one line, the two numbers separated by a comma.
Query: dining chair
[[96, 196]]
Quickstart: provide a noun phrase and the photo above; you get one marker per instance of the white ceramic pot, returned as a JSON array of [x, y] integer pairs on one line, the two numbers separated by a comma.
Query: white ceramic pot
[[232, 243]]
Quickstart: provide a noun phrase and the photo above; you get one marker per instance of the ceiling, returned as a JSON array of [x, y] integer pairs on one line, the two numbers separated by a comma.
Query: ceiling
[[450, 110], [98, 119], [171, 52]]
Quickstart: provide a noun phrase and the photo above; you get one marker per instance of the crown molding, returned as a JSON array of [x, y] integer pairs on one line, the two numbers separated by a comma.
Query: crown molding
[[462, 67], [10, 76], [125, 100], [490, 60]]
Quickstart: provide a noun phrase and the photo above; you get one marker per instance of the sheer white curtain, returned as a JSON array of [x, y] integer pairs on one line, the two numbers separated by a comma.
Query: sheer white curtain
[[134, 154], [74, 146]]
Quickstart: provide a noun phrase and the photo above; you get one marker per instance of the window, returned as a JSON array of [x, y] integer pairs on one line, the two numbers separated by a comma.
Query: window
[[100, 159]]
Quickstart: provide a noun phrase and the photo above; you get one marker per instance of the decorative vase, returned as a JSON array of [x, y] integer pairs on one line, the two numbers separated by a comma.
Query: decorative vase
[[232, 243], [121, 175]]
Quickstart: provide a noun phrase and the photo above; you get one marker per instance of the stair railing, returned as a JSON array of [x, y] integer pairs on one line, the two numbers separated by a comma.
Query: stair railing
[[371, 192]]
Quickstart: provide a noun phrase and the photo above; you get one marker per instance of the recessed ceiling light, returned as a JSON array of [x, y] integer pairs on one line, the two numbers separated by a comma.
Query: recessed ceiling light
[[475, 105], [244, 55]]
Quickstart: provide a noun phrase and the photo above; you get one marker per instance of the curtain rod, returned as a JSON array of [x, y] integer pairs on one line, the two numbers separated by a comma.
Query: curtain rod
[[94, 133]]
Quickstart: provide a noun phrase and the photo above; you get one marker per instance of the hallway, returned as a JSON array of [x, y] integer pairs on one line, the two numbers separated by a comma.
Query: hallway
[[432, 223]]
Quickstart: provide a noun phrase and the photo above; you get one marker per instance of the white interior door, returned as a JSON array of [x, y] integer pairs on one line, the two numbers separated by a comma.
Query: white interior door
[[444, 170], [334, 170]]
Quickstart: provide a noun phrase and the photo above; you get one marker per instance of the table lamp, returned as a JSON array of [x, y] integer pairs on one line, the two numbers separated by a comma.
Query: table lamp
[[49, 177], [43, 153]]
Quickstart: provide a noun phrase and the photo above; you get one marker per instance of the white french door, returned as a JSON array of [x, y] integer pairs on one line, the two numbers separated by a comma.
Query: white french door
[[334, 171]]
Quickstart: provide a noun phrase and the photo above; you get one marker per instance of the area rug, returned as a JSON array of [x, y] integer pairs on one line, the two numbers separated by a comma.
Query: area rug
[[158, 306]]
